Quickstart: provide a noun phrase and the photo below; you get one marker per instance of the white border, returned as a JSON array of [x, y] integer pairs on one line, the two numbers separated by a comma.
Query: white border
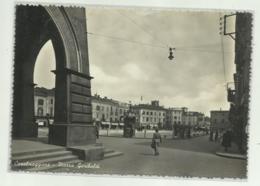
[[6, 53]]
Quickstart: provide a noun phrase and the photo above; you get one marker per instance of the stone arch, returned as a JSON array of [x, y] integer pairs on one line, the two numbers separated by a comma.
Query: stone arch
[[66, 27]]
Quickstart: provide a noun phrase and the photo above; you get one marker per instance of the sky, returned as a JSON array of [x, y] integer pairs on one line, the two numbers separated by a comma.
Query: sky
[[128, 56]]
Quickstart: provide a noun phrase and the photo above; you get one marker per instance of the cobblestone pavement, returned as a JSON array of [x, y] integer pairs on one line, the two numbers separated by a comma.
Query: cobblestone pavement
[[189, 157]]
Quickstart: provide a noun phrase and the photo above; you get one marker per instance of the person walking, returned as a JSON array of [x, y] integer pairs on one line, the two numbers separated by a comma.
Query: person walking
[[227, 139], [157, 139], [216, 136], [97, 130], [211, 135]]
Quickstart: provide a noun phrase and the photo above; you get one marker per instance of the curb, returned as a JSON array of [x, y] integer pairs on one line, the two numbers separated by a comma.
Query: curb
[[229, 155]]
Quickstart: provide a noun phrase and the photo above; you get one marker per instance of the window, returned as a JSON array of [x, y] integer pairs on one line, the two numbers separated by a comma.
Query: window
[[147, 119], [97, 107], [151, 113], [40, 111], [51, 111], [40, 101], [51, 101], [143, 113]]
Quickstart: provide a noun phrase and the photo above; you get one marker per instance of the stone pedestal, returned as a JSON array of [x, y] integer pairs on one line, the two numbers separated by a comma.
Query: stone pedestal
[[71, 134], [73, 115]]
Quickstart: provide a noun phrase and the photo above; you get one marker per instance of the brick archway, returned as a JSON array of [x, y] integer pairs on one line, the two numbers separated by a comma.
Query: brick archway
[[66, 27]]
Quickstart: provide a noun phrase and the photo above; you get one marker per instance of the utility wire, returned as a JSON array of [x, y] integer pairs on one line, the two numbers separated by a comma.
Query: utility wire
[[180, 49], [223, 56], [200, 46], [198, 50], [126, 40], [143, 29]]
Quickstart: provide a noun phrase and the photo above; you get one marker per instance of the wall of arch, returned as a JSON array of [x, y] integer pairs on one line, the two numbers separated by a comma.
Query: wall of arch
[[66, 27]]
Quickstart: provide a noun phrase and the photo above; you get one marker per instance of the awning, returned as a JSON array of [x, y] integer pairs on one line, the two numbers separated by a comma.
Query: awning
[[105, 123]]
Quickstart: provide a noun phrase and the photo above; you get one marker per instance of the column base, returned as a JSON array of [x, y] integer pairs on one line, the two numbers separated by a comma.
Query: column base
[[24, 129], [72, 134]]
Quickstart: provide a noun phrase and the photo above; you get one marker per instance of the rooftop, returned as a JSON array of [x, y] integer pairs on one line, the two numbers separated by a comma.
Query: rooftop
[[148, 106], [44, 92]]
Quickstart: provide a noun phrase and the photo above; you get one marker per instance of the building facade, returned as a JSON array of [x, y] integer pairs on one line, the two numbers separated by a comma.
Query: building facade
[[44, 102], [219, 120], [239, 96], [108, 110], [174, 116], [150, 115], [190, 118]]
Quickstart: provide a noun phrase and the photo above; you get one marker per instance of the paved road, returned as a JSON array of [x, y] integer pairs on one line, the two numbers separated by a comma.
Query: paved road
[[140, 134], [190, 157]]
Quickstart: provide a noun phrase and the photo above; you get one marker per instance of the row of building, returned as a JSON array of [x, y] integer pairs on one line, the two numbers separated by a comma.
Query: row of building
[[155, 115], [105, 110]]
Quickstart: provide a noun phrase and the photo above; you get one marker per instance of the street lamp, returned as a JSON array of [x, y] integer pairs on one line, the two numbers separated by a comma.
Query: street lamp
[[171, 53]]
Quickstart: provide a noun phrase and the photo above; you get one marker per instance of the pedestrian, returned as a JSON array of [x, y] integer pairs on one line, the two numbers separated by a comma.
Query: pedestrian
[[227, 139], [97, 130], [211, 135], [157, 139], [216, 136]]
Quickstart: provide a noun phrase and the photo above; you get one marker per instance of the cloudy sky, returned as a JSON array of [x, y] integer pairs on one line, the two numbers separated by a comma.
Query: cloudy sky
[[128, 53]]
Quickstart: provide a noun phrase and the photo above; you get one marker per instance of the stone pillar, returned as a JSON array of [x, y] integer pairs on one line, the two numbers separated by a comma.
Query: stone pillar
[[73, 116], [23, 124]]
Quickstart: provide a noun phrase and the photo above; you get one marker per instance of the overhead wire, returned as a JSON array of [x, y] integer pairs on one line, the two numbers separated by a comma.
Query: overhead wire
[[143, 29], [223, 56], [196, 48], [125, 40]]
